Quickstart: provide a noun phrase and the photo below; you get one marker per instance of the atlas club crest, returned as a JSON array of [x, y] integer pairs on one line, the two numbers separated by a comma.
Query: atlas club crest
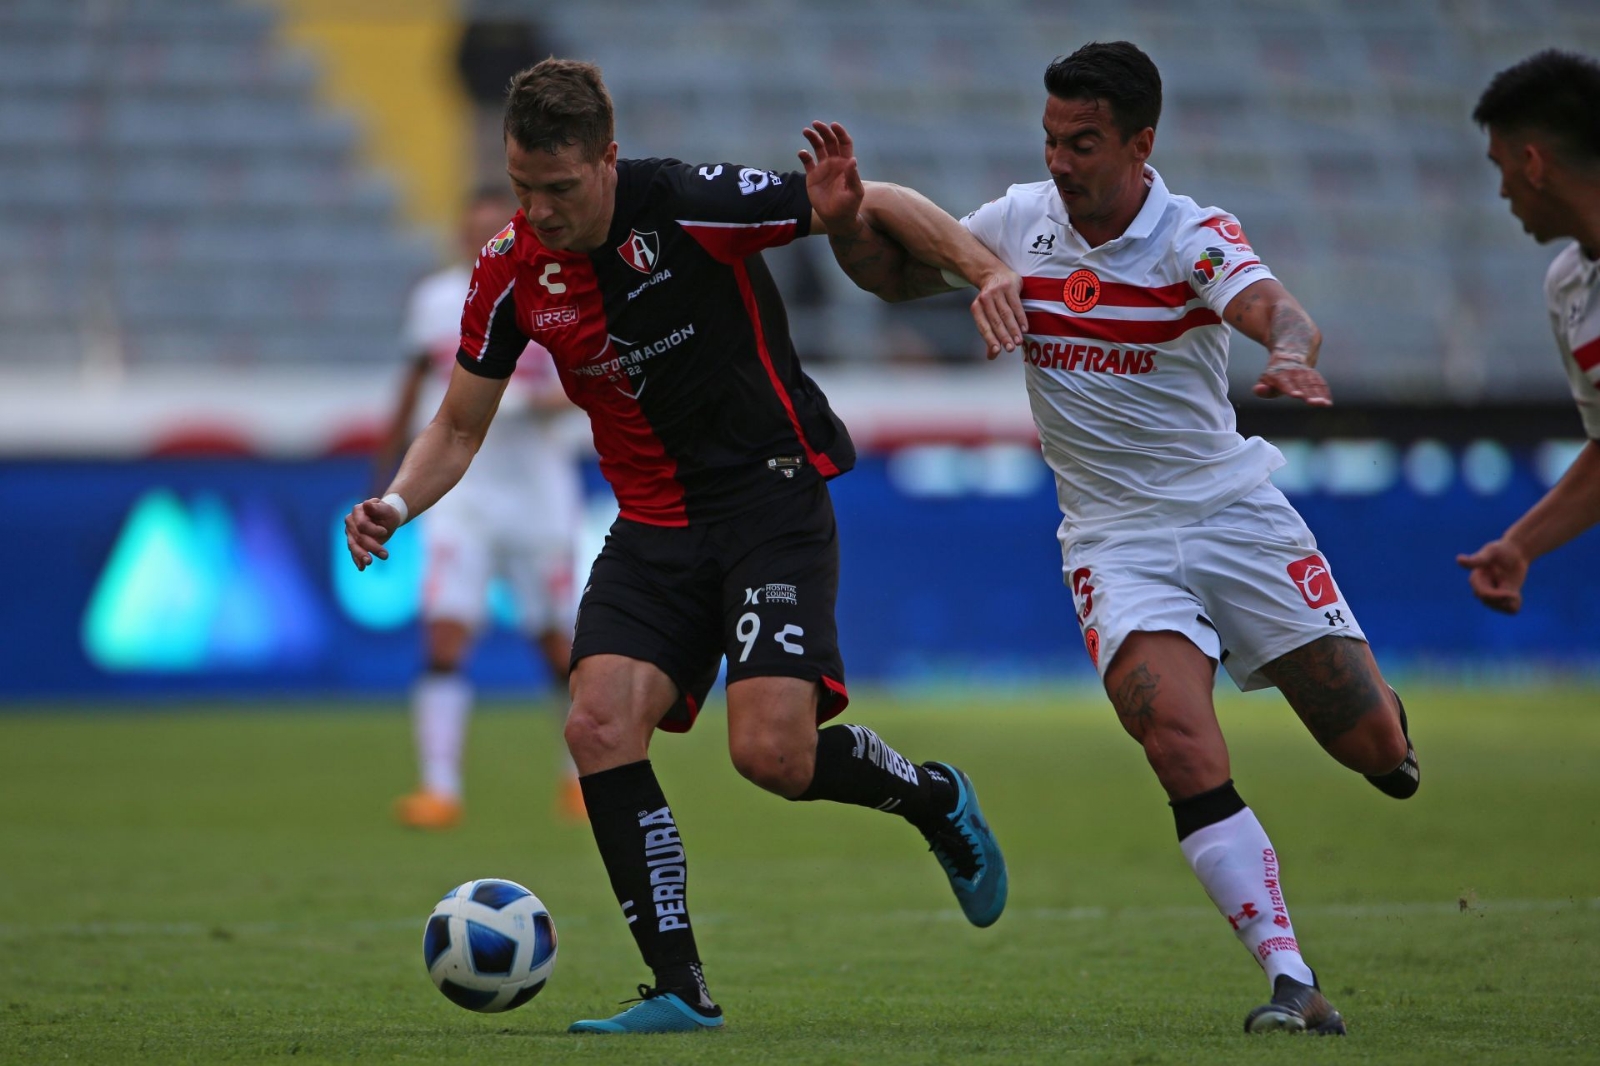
[[640, 251]]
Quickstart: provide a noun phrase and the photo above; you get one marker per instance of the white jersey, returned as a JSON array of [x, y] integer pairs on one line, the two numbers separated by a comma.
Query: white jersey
[[1572, 294], [525, 474], [1126, 356]]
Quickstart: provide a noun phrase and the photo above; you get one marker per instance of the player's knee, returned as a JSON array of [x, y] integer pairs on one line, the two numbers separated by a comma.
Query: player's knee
[[592, 736], [788, 774], [1184, 762]]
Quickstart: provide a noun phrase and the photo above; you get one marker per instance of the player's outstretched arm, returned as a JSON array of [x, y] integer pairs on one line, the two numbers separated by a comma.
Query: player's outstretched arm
[[1267, 314], [899, 245], [432, 466], [1497, 570]]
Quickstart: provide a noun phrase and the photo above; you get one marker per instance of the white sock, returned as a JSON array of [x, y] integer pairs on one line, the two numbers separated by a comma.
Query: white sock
[[1236, 863], [440, 704]]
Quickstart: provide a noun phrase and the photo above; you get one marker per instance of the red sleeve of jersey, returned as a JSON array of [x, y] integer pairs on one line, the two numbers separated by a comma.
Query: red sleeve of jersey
[[736, 211], [490, 338]]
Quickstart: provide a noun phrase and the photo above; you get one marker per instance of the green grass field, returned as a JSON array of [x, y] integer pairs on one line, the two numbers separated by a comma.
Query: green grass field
[[224, 885]]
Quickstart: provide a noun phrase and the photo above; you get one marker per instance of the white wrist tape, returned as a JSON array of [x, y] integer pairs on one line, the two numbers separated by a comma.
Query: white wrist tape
[[956, 280], [395, 500]]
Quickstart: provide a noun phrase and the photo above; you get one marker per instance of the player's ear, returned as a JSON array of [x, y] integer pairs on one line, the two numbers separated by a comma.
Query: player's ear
[[1144, 143], [1535, 163], [609, 156]]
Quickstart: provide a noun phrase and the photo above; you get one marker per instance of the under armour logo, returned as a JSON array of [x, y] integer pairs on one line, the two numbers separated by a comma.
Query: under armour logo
[[1335, 618], [1248, 911], [1045, 241]]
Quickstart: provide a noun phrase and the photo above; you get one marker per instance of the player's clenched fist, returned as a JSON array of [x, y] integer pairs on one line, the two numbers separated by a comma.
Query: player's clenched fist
[[367, 527]]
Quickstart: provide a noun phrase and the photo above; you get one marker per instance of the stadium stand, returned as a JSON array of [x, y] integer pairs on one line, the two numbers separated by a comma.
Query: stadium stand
[[169, 194], [168, 186]]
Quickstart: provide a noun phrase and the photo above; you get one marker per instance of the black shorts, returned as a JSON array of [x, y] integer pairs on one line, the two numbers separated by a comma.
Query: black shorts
[[758, 588]]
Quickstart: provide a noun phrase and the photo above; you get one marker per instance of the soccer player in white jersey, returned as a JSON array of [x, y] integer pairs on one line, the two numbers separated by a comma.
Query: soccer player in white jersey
[[1180, 553], [514, 516], [1543, 118]]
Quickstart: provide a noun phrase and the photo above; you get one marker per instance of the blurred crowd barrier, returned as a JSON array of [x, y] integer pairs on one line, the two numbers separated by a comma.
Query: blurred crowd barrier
[[169, 547]]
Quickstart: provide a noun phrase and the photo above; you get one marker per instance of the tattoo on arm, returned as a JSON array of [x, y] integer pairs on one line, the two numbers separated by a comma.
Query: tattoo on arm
[[1135, 700], [873, 261], [1238, 313], [1291, 334]]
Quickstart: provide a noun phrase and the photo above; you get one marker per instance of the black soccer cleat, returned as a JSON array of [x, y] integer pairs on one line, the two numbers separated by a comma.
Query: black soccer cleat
[[1403, 781], [1295, 1008]]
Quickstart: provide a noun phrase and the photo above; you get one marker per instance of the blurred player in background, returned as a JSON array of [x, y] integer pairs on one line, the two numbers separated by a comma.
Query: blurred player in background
[[1179, 551], [644, 280], [515, 516], [1543, 118]]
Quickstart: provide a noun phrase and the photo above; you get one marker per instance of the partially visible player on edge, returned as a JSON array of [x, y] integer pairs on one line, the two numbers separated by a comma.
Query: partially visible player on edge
[[514, 516], [644, 280], [1543, 118], [1179, 552]]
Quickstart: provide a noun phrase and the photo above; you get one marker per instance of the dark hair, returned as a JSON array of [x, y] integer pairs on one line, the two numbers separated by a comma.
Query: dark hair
[[1116, 72], [1553, 92], [559, 102]]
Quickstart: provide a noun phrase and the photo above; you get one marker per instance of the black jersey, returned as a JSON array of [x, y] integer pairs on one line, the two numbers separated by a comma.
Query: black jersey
[[672, 336]]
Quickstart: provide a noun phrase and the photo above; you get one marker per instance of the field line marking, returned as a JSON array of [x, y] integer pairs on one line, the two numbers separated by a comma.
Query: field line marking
[[1396, 909]]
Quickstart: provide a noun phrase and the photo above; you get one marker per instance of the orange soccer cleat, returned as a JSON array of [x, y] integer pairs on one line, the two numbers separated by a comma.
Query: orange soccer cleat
[[569, 799], [428, 810]]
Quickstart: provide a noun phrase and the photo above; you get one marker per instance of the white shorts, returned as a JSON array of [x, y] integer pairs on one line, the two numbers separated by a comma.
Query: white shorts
[[465, 549], [1245, 584]]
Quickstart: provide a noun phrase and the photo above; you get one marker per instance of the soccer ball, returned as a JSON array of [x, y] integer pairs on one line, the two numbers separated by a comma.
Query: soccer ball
[[489, 945]]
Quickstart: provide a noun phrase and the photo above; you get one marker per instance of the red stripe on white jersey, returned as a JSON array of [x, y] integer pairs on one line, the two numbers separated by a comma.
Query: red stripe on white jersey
[[1112, 293], [1587, 356], [824, 465], [1119, 330], [730, 242], [1241, 266]]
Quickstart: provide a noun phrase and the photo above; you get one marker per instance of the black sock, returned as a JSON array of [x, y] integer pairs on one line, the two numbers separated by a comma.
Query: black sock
[[644, 858], [1207, 808], [854, 765]]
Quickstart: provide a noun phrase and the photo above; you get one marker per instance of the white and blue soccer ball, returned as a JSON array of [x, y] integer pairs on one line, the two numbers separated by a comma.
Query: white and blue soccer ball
[[489, 945]]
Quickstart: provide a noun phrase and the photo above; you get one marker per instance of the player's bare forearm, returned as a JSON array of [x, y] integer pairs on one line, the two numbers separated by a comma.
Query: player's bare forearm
[[932, 241], [440, 455], [1571, 506], [873, 261], [1267, 314]]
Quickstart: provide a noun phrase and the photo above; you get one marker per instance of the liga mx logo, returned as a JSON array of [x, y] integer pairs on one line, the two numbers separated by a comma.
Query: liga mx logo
[[1206, 267], [640, 251], [501, 242]]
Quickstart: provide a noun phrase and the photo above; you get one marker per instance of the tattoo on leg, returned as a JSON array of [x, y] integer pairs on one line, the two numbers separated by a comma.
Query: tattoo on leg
[[1135, 700], [1328, 684]]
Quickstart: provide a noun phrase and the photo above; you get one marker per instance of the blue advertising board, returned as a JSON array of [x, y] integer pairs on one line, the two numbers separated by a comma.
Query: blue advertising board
[[229, 576]]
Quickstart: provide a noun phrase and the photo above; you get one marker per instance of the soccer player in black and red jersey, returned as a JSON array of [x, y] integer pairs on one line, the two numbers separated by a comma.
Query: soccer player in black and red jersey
[[644, 280]]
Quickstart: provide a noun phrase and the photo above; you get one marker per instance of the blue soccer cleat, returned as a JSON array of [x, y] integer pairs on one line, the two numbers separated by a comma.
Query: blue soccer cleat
[[657, 1012], [965, 847]]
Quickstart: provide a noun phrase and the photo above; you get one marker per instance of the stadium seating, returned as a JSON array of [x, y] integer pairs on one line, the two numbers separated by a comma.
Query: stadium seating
[[1338, 132], [169, 190], [165, 175]]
